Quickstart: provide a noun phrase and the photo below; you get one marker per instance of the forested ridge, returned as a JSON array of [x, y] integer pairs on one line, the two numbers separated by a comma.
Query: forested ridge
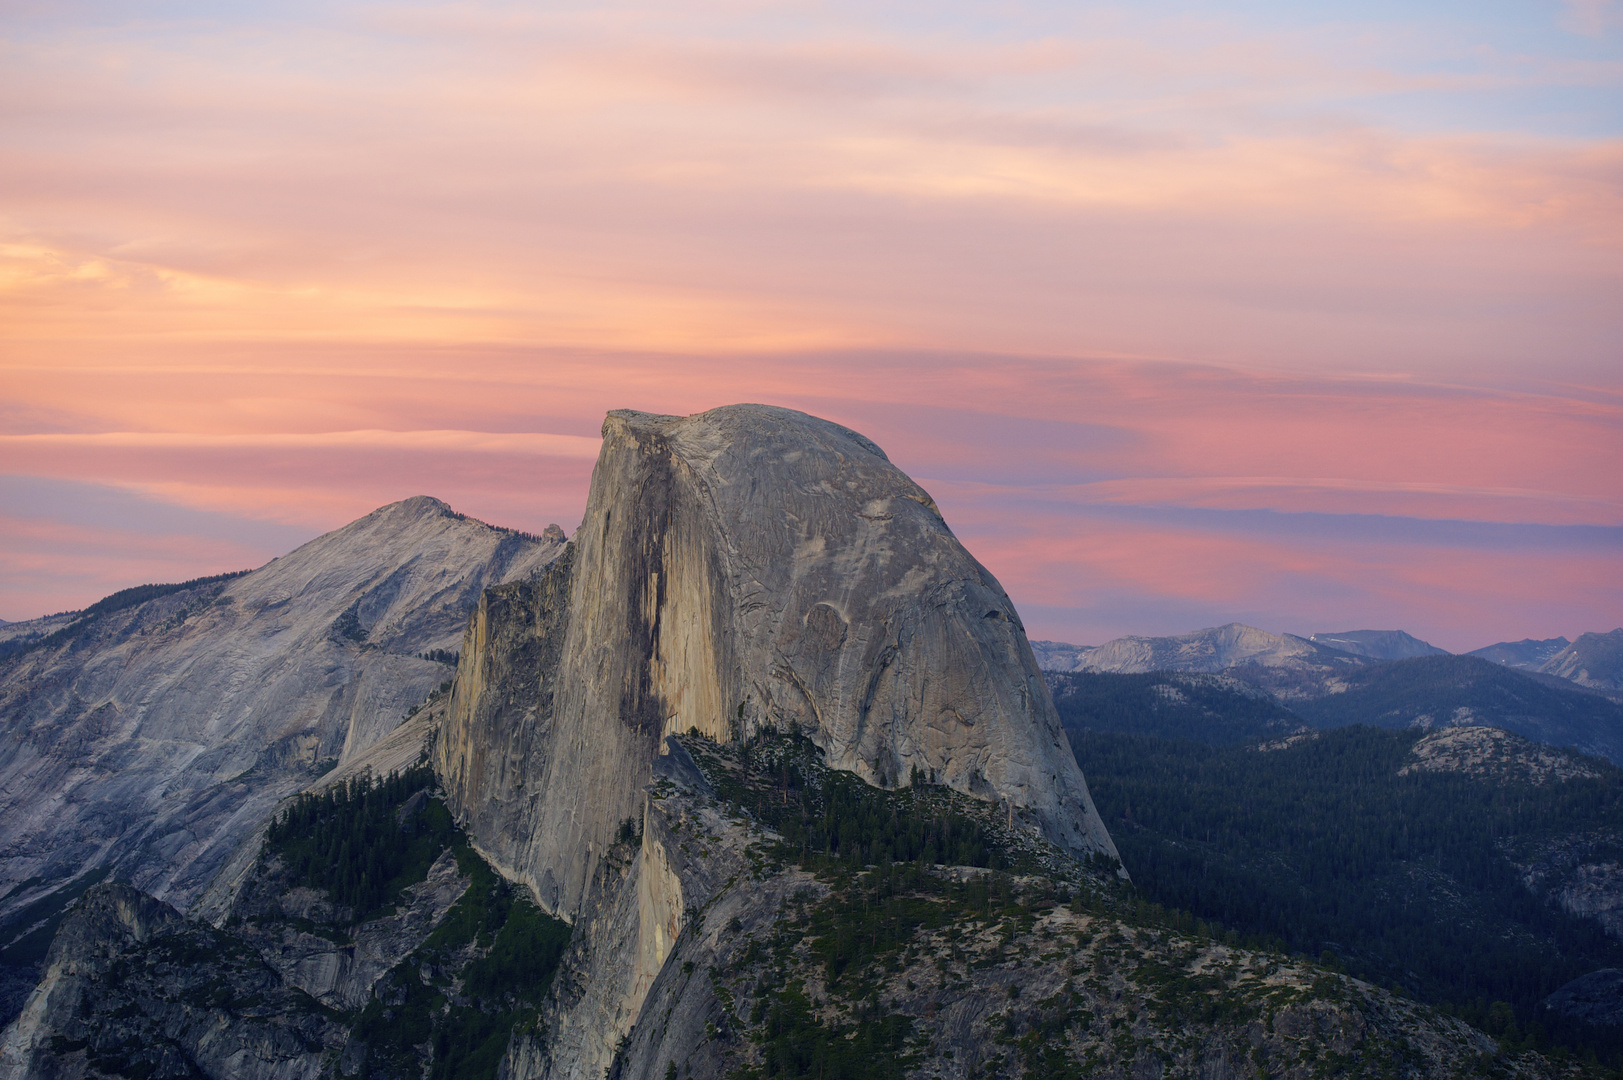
[[353, 841], [448, 1010], [1404, 880], [122, 600], [827, 816], [1434, 689], [1210, 708]]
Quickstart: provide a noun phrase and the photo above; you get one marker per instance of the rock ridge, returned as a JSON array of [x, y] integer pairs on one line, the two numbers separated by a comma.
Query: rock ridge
[[153, 739]]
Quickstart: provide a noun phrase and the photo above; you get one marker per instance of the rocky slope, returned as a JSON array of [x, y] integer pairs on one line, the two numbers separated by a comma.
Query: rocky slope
[[132, 987], [304, 977], [1594, 660], [744, 568], [1527, 654], [1377, 644], [150, 739], [1490, 753], [842, 966], [1441, 691]]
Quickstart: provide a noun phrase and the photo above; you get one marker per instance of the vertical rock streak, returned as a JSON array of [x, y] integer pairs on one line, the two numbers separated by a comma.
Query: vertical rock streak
[[746, 567]]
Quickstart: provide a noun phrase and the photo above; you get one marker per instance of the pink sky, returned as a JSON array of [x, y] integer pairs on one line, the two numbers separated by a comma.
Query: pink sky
[[1182, 317]]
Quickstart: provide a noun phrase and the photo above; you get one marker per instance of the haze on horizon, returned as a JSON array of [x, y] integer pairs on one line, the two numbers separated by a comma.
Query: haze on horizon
[[1185, 314]]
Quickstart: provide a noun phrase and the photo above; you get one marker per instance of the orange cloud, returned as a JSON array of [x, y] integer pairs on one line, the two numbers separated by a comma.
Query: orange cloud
[[608, 181], [1097, 263]]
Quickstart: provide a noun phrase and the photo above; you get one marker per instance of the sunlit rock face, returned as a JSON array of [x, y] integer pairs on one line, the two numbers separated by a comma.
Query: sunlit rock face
[[157, 737], [1594, 660], [744, 567]]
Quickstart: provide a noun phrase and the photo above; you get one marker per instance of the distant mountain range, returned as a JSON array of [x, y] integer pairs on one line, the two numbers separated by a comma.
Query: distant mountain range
[[1382, 678], [1595, 660], [1216, 649]]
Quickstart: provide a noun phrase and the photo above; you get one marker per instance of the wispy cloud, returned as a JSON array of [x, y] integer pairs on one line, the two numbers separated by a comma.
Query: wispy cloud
[[1592, 17], [737, 180], [1221, 312], [479, 442]]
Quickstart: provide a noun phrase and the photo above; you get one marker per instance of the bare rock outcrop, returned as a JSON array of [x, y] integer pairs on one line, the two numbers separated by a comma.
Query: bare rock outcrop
[[743, 568], [1594, 660], [154, 738], [132, 987]]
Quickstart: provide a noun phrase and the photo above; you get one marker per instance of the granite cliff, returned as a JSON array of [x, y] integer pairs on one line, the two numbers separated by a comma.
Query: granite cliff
[[745, 568], [743, 571], [150, 740]]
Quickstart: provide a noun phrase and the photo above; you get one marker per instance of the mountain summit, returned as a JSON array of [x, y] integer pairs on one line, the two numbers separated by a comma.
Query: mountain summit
[[745, 568], [149, 738], [1594, 660], [1377, 644]]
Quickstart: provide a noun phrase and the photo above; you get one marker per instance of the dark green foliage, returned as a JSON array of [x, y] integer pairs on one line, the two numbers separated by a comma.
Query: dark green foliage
[[1207, 708], [524, 955], [1324, 846], [352, 841], [348, 625], [828, 816], [798, 1046], [518, 949], [869, 916]]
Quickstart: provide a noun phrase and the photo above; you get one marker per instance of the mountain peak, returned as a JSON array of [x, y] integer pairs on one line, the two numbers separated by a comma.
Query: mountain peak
[[1593, 660], [242, 684], [1377, 644], [727, 580], [1528, 654], [419, 504]]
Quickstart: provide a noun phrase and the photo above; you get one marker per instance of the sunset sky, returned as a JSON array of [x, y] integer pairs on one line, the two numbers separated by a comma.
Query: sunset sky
[[1309, 316]]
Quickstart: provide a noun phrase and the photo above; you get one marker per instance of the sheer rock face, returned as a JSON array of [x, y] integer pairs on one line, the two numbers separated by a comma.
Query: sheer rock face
[[1594, 660], [745, 567], [157, 737], [132, 987]]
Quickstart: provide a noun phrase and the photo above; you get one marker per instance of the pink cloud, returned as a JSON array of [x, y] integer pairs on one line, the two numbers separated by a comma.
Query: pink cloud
[[48, 566], [1117, 267], [571, 180]]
